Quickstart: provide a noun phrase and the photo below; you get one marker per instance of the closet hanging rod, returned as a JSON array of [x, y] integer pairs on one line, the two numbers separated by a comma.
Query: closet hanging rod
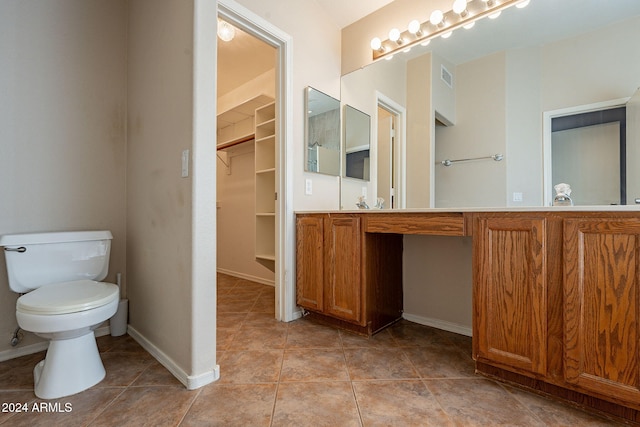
[[230, 144], [447, 162]]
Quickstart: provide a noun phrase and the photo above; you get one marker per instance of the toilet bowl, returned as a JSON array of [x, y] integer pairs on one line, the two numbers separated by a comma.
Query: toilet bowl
[[64, 301]]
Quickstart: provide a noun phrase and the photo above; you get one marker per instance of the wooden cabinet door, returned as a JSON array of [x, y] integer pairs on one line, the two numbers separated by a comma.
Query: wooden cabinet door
[[510, 293], [602, 307], [310, 262], [343, 280]]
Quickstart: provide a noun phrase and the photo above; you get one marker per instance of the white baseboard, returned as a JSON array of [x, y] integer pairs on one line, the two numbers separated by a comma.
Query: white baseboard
[[37, 347], [191, 382], [439, 324], [247, 277]]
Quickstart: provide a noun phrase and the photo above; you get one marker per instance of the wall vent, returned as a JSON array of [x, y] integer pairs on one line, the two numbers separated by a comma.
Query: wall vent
[[446, 76]]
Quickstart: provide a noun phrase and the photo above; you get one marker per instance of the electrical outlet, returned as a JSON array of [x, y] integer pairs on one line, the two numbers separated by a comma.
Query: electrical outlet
[[517, 197], [308, 187], [364, 192]]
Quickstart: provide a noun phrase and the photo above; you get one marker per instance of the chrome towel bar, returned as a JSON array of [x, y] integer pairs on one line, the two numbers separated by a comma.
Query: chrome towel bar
[[447, 162]]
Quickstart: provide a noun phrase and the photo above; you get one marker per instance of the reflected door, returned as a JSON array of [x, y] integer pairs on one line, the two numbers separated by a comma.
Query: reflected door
[[589, 153], [386, 149]]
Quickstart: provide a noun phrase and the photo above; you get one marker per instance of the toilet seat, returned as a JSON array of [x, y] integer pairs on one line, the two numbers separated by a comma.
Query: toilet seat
[[68, 297]]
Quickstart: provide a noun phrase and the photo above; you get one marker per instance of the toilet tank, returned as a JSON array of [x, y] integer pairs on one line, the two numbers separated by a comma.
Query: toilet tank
[[39, 259]]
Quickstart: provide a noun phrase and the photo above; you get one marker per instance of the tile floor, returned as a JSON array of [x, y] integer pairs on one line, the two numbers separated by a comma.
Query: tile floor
[[293, 374]]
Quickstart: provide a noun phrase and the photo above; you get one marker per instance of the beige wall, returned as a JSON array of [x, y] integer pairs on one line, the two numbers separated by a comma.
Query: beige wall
[[438, 278], [479, 132], [420, 132], [62, 121], [161, 243]]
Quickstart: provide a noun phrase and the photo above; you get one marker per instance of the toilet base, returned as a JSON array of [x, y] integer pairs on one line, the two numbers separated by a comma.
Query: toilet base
[[70, 366]]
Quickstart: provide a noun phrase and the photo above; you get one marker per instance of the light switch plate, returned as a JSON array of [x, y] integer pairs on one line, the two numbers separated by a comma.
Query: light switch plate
[[308, 187], [185, 163]]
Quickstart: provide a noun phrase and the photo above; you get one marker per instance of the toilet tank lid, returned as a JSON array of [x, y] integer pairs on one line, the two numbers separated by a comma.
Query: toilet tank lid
[[53, 237]]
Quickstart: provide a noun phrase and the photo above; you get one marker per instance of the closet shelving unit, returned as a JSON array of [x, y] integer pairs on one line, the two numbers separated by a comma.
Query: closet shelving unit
[[255, 120], [265, 140]]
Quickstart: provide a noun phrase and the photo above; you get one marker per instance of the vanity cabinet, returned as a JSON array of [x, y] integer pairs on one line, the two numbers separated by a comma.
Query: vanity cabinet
[[329, 279], [602, 306], [336, 284], [511, 284], [557, 300]]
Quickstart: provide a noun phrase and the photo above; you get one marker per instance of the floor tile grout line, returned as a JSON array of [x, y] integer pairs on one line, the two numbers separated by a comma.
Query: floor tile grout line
[[514, 397], [275, 395], [349, 376], [193, 401], [107, 406]]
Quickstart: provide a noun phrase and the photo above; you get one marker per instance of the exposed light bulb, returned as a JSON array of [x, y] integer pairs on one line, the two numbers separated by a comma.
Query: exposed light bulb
[[407, 50], [447, 35], [495, 15], [460, 7], [394, 35], [470, 25], [525, 3], [376, 43], [389, 58], [226, 31], [436, 17], [414, 27], [425, 43]]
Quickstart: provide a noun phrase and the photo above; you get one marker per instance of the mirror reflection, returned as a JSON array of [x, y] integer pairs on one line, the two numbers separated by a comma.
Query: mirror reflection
[[487, 90], [357, 133], [322, 133]]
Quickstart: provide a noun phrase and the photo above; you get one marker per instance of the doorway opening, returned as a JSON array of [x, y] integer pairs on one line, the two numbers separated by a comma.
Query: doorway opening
[[262, 103], [390, 182]]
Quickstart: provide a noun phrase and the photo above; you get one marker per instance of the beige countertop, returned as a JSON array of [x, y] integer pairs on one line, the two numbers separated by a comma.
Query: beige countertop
[[609, 208]]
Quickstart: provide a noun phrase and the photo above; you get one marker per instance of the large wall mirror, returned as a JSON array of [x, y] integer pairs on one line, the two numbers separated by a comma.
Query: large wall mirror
[[505, 75], [322, 121], [357, 143]]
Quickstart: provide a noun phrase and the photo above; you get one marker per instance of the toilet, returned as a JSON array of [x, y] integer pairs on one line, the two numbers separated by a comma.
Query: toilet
[[64, 300]]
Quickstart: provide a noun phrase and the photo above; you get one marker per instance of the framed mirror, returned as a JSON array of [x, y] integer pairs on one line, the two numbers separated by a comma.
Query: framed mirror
[[357, 143], [322, 133]]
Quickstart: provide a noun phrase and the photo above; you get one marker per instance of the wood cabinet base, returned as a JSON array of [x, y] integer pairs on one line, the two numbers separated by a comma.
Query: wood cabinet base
[[367, 330], [604, 408]]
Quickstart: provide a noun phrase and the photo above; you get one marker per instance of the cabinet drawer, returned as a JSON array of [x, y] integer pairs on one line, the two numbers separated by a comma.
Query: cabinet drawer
[[424, 224]]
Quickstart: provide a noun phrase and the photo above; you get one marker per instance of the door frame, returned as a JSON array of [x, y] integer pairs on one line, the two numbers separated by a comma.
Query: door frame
[[548, 116], [243, 18]]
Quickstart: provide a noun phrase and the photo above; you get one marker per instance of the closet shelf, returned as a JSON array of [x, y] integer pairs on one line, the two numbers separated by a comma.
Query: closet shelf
[[272, 214], [269, 170], [267, 257]]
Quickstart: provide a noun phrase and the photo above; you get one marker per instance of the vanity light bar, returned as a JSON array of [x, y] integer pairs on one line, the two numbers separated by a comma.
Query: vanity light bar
[[434, 27]]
